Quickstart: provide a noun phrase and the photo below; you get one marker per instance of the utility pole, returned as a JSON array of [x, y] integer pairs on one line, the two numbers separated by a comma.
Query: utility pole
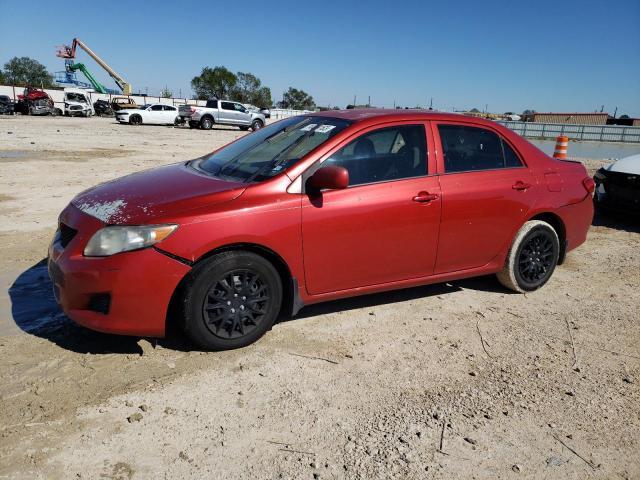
[[615, 112], [354, 100], [431, 104], [369, 101]]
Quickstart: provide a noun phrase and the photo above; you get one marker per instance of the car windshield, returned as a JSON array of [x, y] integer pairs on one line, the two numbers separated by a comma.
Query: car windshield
[[76, 97], [270, 150]]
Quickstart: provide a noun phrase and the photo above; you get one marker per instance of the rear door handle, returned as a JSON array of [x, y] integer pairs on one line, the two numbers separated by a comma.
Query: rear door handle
[[521, 185], [425, 197]]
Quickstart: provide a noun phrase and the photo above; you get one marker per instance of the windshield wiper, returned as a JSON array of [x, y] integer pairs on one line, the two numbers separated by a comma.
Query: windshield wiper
[[276, 161]]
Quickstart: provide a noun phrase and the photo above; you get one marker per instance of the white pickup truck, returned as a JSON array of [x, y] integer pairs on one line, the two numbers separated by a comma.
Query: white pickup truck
[[223, 112]]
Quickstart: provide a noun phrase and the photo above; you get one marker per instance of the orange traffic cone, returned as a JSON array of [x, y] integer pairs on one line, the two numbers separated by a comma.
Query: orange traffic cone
[[561, 147]]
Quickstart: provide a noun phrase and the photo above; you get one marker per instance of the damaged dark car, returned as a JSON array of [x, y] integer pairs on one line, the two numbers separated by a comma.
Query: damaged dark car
[[7, 106], [618, 185]]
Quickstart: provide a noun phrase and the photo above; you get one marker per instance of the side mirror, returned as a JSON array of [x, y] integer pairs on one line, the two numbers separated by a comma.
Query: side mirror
[[330, 177]]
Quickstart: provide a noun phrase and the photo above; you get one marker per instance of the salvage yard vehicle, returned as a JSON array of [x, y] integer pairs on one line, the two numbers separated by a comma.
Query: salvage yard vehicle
[[315, 208], [76, 103], [34, 101], [120, 103], [7, 106], [103, 108], [252, 108], [151, 114], [618, 185], [223, 112]]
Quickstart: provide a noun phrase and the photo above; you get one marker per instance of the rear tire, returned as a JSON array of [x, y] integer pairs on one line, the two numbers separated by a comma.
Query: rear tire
[[206, 123], [135, 120], [231, 300], [532, 258]]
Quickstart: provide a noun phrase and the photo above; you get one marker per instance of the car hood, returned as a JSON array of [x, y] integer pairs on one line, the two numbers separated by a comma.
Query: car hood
[[162, 192], [627, 165]]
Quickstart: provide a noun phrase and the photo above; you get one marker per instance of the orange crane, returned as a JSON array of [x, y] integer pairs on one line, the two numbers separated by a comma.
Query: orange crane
[[70, 53]]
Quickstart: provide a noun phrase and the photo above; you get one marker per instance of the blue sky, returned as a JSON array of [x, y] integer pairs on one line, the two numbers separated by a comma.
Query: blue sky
[[509, 55]]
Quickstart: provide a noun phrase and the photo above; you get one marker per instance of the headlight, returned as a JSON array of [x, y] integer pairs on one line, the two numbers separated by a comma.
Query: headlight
[[111, 240]]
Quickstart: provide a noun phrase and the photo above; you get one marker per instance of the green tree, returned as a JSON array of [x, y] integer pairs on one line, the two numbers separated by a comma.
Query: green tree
[[297, 100], [214, 82], [624, 116], [2, 79], [166, 93], [27, 71], [249, 89]]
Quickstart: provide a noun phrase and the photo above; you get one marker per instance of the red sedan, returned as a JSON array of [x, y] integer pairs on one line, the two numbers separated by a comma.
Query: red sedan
[[315, 208]]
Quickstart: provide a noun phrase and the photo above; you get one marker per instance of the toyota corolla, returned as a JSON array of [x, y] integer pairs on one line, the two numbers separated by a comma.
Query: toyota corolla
[[314, 208]]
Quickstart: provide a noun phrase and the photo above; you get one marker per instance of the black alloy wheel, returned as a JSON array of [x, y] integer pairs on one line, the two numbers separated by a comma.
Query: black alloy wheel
[[231, 300], [236, 304], [537, 258]]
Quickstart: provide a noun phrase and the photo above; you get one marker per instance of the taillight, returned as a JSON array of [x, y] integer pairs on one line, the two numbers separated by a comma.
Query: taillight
[[589, 184]]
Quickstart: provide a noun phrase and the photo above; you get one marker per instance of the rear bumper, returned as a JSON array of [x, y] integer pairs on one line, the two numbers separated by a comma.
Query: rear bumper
[[577, 219], [128, 293]]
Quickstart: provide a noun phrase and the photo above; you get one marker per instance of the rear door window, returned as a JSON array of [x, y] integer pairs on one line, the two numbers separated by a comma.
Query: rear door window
[[227, 105], [212, 104], [467, 149], [156, 108]]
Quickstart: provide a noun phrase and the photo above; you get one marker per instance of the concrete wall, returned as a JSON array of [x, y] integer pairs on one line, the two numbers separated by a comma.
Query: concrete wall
[[58, 98]]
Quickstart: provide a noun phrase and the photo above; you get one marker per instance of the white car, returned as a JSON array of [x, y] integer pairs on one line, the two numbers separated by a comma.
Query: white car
[[151, 114], [76, 103], [618, 185]]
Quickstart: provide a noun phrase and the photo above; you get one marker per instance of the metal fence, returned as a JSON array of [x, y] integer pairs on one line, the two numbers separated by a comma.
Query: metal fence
[[597, 133]]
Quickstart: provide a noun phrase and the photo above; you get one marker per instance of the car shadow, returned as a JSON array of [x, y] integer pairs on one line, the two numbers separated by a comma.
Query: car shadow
[[36, 312], [616, 220], [487, 283]]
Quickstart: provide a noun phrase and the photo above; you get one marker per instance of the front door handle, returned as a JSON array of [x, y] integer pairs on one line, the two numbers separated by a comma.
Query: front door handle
[[425, 197], [519, 185]]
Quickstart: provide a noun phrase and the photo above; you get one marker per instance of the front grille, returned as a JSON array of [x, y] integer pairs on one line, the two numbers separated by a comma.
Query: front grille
[[66, 234], [100, 303]]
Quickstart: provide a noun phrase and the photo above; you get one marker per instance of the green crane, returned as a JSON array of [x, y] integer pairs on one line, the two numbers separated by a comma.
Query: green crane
[[97, 86]]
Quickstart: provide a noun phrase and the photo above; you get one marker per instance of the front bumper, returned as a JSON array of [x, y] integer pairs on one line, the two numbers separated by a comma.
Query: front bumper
[[617, 190], [127, 293]]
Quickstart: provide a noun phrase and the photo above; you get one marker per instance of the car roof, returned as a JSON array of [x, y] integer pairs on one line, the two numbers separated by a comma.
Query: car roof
[[382, 114]]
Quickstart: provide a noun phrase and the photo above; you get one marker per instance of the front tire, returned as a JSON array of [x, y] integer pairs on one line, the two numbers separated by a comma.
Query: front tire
[[135, 120], [231, 300], [256, 125], [532, 258]]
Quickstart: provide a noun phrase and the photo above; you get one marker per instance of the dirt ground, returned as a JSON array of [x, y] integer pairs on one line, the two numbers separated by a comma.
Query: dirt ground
[[456, 380]]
